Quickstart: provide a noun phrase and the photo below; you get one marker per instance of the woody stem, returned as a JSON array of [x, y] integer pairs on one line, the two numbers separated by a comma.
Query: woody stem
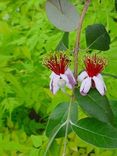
[[77, 43]]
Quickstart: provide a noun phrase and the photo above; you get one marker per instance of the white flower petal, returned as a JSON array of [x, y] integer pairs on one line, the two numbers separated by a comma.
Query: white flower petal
[[54, 83], [61, 83], [100, 77], [100, 85], [64, 77], [53, 75], [51, 79], [85, 86], [82, 76], [70, 77]]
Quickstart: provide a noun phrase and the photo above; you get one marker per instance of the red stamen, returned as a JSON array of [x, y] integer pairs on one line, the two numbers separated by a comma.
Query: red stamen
[[58, 63], [94, 65]]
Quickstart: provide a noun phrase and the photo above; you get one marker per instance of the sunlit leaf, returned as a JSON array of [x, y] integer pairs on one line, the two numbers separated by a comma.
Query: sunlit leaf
[[34, 152], [37, 140]]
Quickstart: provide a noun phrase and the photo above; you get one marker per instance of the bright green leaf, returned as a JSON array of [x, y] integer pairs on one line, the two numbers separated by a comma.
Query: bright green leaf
[[37, 140], [34, 152]]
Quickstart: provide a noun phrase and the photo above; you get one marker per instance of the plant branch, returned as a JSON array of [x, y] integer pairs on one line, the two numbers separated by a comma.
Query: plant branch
[[111, 75], [53, 137], [67, 127], [77, 43]]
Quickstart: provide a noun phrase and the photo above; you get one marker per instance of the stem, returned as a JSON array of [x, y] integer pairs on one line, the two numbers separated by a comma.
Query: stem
[[53, 137], [111, 75], [77, 43], [67, 126]]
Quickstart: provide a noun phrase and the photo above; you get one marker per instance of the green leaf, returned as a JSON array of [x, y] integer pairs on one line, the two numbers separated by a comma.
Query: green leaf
[[59, 117], [113, 104], [97, 37], [62, 14], [17, 86], [54, 133], [116, 5], [96, 132], [95, 105], [34, 152], [54, 149], [37, 140], [64, 42]]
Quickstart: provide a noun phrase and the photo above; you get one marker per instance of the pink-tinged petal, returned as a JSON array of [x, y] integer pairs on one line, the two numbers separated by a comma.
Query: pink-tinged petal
[[70, 77], [61, 83], [82, 76], [85, 86], [51, 79], [99, 84], [53, 75], [64, 77], [100, 77], [54, 83]]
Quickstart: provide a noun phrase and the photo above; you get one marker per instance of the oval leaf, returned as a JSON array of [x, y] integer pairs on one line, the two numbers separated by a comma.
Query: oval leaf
[[96, 132], [95, 105], [97, 37], [59, 116], [62, 14]]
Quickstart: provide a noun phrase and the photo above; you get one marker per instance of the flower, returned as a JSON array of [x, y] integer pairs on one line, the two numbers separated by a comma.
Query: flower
[[61, 75], [91, 76]]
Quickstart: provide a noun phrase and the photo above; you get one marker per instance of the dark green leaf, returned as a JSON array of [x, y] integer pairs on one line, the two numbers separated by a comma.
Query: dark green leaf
[[59, 116], [97, 37], [62, 14], [116, 5], [113, 104], [64, 42], [96, 132], [95, 105]]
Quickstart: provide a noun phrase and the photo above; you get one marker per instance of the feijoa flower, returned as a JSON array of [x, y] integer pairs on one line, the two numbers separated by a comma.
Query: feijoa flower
[[61, 75], [91, 76]]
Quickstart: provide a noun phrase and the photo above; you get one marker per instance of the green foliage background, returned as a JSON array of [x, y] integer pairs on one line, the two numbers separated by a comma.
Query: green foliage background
[[26, 36]]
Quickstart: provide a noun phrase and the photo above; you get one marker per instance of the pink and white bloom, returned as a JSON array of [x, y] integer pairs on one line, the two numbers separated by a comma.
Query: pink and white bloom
[[91, 76], [61, 75]]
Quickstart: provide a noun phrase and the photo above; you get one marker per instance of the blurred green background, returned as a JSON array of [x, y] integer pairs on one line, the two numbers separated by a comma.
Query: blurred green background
[[26, 36]]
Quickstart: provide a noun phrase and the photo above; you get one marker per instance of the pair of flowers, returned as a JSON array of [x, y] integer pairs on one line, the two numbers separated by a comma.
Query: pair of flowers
[[62, 76]]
